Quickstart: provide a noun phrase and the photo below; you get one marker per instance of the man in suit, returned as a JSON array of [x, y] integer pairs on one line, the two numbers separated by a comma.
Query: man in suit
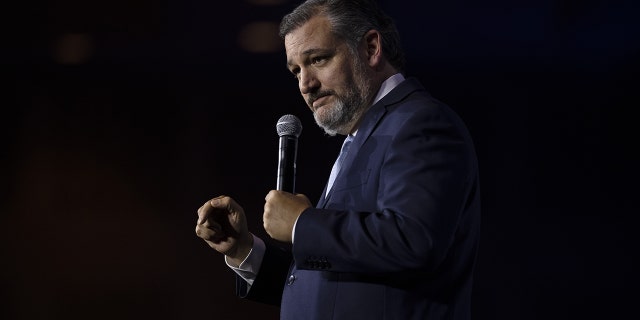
[[395, 235]]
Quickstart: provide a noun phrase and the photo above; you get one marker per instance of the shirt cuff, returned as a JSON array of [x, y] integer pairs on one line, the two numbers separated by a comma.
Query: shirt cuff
[[248, 269]]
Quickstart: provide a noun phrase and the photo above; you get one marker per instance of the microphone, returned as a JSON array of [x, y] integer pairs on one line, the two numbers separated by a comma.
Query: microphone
[[289, 129]]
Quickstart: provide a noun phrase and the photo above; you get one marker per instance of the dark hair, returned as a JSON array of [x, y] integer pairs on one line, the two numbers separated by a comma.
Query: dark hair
[[350, 20]]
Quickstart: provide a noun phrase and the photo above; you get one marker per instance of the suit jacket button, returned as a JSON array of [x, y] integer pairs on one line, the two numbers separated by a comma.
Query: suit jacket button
[[291, 279]]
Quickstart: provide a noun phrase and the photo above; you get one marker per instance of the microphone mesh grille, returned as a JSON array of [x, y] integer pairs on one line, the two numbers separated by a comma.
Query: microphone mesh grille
[[289, 125]]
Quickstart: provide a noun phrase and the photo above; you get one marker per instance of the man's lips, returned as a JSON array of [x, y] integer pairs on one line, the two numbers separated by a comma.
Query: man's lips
[[318, 102]]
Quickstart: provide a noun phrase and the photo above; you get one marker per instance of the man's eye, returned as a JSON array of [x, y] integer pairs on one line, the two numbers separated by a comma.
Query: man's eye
[[317, 60]]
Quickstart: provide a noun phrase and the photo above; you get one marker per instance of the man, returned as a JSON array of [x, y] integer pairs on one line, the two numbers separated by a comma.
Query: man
[[396, 234]]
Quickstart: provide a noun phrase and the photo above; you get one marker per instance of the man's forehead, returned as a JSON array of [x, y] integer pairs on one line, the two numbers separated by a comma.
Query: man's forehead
[[315, 27], [308, 38]]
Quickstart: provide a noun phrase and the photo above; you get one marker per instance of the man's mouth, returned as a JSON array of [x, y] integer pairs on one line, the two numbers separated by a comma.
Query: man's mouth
[[319, 101]]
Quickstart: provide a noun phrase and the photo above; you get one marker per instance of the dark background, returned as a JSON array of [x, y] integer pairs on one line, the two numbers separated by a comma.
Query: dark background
[[120, 118]]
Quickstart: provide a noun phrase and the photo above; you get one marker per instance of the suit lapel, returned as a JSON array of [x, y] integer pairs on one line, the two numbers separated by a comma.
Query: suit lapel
[[369, 122]]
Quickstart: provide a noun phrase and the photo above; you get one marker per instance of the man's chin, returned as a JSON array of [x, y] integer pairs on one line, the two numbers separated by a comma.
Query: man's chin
[[321, 113], [325, 125], [329, 131]]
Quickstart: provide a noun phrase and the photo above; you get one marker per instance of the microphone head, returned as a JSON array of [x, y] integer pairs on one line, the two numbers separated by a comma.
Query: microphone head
[[289, 125]]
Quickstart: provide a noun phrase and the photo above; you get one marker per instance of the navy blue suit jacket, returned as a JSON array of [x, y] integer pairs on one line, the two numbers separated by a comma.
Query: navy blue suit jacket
[[397, 236]]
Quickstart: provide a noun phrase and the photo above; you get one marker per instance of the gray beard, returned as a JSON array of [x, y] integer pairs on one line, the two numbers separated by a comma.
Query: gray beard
[[339, 117], [348, 108]]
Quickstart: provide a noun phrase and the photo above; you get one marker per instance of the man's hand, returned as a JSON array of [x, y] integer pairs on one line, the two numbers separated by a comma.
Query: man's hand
[[281, 210], [223, 226]]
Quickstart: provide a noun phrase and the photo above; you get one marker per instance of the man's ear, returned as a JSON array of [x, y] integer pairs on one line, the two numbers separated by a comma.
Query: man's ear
[[373, 42]]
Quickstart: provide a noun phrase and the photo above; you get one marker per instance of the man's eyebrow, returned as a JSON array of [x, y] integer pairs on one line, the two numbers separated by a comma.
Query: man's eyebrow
[[305, 53]]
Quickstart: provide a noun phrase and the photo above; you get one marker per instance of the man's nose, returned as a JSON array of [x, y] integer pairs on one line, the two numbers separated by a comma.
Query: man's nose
[[307, 81]]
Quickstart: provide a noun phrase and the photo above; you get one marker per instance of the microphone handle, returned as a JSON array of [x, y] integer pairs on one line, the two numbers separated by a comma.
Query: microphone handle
[[288, 148]]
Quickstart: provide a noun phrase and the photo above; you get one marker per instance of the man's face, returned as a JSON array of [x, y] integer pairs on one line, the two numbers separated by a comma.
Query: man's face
[[333, 81]]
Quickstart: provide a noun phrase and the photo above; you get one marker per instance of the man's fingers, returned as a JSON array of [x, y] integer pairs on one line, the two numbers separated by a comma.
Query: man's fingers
[[204, 218], [201, 214], [203, 232], [219, 202], [208, 233], [211, 224]]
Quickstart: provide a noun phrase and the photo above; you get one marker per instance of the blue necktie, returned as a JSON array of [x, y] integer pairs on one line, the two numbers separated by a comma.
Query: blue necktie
[[338, 164]]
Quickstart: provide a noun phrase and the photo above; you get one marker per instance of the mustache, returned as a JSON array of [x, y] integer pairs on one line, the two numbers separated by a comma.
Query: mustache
[[317, 95]]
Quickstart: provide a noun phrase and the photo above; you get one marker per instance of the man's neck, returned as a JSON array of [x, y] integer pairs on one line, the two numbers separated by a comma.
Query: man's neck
[[385, 87]]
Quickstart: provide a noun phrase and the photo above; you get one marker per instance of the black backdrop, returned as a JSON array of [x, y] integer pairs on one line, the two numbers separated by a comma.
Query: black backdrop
[[120, 118]]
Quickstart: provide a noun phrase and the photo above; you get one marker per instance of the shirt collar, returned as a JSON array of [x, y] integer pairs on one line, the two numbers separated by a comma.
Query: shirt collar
[[388, 85], [385, 88]]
